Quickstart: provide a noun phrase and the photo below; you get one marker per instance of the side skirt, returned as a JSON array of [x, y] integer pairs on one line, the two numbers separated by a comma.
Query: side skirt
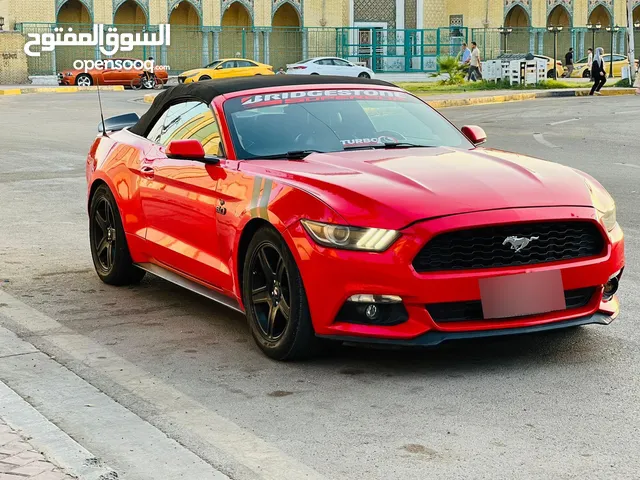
[[184, 282]]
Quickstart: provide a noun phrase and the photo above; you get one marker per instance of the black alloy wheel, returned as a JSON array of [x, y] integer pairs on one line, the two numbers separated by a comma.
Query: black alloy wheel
[[270, 292], [275, 300], [109, 249], [104, 224]]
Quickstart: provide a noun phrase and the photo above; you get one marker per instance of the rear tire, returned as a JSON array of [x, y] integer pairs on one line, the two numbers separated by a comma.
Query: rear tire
[[109, 249], [315, 73], [586, 74], [275, 299]]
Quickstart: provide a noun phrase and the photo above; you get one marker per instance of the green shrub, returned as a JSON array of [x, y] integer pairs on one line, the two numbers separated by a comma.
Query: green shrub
[[452, 67]]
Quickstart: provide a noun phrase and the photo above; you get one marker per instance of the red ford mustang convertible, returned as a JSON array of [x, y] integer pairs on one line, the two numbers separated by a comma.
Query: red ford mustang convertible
[[347, 209]]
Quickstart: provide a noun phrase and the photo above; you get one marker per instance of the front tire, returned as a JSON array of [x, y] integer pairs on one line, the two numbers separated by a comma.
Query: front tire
[[275, 299], [109, 249], [204, 77], [551, 74], [84, 80], [364, 75]]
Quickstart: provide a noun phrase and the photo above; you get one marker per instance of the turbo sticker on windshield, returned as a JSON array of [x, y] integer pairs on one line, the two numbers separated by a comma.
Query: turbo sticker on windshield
[[368, 141], [319, 96]]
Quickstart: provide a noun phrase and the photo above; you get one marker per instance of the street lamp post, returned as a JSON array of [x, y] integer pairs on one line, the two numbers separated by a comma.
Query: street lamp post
[[612, 30], [593, 29], [555, 29], [505, 31]]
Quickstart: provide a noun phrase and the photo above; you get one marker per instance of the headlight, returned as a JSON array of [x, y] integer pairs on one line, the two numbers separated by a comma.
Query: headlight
[[350, 238], [604, 205]]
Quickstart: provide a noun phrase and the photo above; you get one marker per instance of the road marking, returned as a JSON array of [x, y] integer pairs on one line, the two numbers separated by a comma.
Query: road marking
[[249, 451], [564, 121], [538, 137], [632, 165], [627, 112]]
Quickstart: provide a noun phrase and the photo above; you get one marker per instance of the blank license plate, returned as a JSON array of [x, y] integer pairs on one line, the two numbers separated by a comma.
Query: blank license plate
[[523, 294]]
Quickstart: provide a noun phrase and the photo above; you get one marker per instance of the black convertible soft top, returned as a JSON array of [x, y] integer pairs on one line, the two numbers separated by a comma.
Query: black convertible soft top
[[207, 90]]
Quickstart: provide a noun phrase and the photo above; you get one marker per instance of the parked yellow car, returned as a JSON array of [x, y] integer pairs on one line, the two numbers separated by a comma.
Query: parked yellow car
[[550, 72], [226, 68], [582, 70]]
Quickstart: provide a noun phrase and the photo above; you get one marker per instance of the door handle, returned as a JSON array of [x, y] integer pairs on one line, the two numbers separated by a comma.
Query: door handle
[[147, 171]]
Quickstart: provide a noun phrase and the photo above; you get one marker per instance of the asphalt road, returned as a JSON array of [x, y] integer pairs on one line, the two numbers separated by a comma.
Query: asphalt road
[[561, 405]]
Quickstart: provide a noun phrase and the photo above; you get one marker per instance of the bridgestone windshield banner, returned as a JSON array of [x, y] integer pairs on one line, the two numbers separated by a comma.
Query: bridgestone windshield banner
[[283, 98]]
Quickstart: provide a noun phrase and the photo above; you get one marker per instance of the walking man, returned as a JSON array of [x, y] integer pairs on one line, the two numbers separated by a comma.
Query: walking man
[[590, 62], [568, 62], [465, 54], [475, 64]]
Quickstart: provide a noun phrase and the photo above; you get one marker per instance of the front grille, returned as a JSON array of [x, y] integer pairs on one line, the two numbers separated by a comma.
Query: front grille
[[472, 310], [485, 247]]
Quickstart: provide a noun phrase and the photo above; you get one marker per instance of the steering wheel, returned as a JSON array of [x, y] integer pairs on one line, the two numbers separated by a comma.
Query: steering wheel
[[391, 136]]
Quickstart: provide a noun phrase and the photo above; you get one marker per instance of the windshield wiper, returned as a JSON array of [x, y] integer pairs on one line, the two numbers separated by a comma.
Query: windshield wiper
[[388, 145], [291, 155]]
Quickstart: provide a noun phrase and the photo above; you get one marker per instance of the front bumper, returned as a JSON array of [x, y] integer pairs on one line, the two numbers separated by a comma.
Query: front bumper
[[332, 276], [435, 337]]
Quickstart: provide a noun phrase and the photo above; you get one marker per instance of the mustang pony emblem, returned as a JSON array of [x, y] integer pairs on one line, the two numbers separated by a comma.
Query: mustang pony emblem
[[519, 243]]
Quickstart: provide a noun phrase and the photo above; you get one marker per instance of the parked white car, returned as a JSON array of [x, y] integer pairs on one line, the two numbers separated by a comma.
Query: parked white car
[[329, 66]]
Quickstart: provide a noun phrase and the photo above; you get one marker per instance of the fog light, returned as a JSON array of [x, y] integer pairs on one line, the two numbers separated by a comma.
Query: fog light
[[610, 288], [368, 298], [371, 312]]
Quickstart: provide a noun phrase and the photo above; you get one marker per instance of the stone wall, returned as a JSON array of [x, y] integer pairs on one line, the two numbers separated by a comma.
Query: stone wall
[[13, 61]]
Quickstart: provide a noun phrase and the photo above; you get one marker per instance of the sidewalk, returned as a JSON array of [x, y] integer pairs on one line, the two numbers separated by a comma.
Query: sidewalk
[[19, 460], [26, 89]]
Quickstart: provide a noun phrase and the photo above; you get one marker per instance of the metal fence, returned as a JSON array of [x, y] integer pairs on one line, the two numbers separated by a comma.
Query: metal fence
[[405, 50]]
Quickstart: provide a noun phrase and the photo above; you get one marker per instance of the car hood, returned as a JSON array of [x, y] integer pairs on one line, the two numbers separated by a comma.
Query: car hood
[[393, 188], [191, 73]]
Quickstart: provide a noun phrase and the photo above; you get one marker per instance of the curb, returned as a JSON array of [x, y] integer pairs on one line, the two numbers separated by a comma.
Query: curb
[[463, 102], [149, 97], [24, 91]]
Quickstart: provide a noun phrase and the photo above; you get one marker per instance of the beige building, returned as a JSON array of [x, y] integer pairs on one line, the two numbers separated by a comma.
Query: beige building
[[389, 35]]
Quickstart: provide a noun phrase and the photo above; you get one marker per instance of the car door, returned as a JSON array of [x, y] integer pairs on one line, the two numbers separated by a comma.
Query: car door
[[245, 68], [226, 69], [345, 68], [325, 66], [179, 198], [113, 72]]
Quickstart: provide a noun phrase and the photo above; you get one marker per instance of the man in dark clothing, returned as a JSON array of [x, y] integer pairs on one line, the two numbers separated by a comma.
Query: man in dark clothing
[[568, 62]]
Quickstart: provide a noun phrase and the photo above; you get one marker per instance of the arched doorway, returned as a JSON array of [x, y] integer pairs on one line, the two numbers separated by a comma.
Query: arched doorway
[[517, 17], [185, 51], [519, 40], [599, 15], [73, 11], [286, 42], [72, 14], [237, 37], [130, 13], [559, 16], [130, 17]]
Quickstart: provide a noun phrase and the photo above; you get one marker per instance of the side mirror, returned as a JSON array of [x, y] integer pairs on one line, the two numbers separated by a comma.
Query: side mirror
[[119, 122], [186, 150], [475, 134]]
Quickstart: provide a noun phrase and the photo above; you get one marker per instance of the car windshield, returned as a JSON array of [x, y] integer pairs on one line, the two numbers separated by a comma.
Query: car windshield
[[212, 65], [279, 124]]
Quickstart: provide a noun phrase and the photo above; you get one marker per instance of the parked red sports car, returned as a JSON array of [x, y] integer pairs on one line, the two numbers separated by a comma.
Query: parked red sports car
[[347, 209]]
